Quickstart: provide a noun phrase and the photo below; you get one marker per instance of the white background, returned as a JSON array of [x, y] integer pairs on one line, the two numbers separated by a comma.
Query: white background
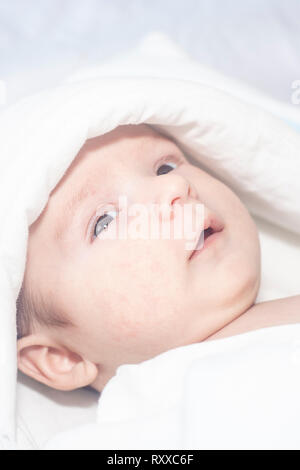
[[257, 41]]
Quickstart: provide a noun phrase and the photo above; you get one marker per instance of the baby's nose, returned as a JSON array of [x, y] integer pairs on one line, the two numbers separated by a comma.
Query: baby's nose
[[173, 189]]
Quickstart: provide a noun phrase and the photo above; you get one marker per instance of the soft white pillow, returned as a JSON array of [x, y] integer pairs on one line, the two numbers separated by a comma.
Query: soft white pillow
[[158, 56]]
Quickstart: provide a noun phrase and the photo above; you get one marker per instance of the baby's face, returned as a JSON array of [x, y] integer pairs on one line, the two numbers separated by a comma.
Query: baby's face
[[133, 299]]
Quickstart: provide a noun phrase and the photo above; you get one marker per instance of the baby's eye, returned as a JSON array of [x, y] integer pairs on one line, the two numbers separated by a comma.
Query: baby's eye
[[165, 168], [103, 221]]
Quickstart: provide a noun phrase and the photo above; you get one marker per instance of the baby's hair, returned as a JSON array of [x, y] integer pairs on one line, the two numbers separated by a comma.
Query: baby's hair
[[34, 311]]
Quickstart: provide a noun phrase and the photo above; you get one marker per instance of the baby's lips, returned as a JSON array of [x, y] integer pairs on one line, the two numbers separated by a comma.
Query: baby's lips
[[211, 221], [215, 222]]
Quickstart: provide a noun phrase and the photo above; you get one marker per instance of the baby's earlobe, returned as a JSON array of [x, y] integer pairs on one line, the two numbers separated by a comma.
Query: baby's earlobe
[[53, 364]]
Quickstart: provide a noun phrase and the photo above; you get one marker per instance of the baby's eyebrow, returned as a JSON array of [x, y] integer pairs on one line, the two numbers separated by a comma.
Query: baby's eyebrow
[[70, 208]]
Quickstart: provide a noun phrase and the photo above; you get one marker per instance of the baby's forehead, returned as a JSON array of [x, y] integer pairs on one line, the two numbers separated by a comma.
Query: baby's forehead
[[130, 134], [124, 143], [134, 131], [96, 157]]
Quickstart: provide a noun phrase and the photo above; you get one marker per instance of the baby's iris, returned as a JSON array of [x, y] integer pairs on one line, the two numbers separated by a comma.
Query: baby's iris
[[103, 222], [163, 169]]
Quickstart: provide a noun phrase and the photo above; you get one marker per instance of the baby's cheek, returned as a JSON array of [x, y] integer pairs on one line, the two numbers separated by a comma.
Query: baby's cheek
[[140, 322], [127, 317], [238, 280], [142, 299]]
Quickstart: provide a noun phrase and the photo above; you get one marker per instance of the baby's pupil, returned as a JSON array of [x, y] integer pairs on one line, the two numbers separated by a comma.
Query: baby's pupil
[[163, 169], [104, 222]]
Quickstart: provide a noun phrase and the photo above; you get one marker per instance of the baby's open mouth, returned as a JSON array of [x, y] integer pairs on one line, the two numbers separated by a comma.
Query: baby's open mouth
[[212, 225], [207, 232]]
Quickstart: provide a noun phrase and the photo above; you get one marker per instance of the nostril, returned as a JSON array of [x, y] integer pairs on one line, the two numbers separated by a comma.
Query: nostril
[[175, 199]]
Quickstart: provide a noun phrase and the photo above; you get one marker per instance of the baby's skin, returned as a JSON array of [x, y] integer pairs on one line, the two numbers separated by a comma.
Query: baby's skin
[[132, 299]]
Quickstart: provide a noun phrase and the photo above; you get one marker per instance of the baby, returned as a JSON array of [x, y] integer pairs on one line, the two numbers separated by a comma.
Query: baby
[[90, 303]]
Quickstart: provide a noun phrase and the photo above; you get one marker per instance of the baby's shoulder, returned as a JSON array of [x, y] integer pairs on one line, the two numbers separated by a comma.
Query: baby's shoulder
[[263, 315], [285, 309], [274, 312]]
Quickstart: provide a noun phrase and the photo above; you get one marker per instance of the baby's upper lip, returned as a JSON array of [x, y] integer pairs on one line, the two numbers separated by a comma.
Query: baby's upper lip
[[211, 221]]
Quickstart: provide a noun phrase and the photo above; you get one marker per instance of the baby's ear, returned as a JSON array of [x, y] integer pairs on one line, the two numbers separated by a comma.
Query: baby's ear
[[54, 365]]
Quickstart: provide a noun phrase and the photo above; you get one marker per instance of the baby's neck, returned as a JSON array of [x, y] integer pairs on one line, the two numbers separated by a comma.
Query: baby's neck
[[262, 315]]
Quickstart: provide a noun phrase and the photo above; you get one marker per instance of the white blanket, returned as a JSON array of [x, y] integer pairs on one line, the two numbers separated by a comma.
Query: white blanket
[[254, 152], [235, 393]]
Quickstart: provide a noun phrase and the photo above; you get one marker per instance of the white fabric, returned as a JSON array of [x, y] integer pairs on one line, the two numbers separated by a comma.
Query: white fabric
[[235, 393], [253, 152], [42, 412]]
